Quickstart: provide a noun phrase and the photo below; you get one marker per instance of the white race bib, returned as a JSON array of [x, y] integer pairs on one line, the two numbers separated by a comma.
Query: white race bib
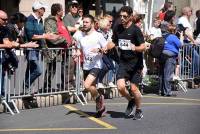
[[125, 44], [89, 58]]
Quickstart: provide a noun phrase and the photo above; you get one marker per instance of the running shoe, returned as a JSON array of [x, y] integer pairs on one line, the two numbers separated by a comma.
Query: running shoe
[[138, 114], [99, 103], [101, 113], [129, 110]]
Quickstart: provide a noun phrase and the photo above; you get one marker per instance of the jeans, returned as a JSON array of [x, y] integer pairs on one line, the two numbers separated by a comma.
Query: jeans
[[112, 73], [195, 63], [102, 73], [49, 73], [2, 77], [107, 65], [195, 67], [33, 71], [166, 75], [67, 71]]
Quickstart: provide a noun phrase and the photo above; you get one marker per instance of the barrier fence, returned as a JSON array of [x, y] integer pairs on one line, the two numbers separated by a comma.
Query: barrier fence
[[54, 71]]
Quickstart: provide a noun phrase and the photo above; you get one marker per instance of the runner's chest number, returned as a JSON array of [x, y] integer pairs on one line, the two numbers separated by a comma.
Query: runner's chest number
[[125, 44]]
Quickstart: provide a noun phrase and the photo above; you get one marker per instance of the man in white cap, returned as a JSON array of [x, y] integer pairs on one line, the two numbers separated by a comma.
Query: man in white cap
[[34, 31]]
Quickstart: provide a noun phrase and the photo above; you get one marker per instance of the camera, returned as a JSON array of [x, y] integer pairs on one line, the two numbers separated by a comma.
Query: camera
[[10, 60], [180, 28]]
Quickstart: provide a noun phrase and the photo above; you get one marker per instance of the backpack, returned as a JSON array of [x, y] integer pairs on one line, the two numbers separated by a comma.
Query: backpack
[[157, 47]]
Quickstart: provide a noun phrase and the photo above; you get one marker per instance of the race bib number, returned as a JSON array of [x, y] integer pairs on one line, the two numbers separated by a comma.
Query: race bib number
[[125, 44], [89, 59]]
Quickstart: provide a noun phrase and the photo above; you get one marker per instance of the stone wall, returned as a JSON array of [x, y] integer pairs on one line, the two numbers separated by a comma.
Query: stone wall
[[25, 6]]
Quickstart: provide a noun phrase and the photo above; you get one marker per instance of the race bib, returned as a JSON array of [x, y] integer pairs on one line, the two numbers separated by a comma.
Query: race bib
[[89, 59], [125, 44]]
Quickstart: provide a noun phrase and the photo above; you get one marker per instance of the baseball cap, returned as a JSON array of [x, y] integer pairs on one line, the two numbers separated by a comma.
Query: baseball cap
[[38, 4], [74, 2]]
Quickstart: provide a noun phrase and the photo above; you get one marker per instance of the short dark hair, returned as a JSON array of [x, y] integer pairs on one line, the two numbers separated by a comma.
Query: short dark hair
[[198, 13], [17, 18], [90, 17], [166, 6], [169, 15], [126, 9], [56, 7]]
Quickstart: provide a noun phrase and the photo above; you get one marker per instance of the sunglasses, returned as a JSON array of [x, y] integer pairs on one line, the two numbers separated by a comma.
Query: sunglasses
[[4, 19], [74, 6], [123, 16]]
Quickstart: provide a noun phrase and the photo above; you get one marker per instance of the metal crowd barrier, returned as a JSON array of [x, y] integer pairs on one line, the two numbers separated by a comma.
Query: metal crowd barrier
[[59, 74], [189, 62]]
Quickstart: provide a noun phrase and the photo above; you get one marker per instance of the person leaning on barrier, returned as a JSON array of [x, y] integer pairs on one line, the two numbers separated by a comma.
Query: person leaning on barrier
[[184, 22], [197, 24], [54, 24], [131, 44], [8, 42], [16, 29], [4, 43], [34, 31]]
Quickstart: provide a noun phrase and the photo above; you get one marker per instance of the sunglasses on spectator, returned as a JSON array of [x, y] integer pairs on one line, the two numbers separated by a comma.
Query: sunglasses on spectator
[[4, 19], [74, 6]]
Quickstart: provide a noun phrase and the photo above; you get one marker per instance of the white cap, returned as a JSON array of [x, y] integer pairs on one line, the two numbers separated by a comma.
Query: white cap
[[38, 4], [74, 2]]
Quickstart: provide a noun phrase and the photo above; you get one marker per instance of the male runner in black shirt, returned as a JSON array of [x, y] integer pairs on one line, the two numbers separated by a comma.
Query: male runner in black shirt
[[129, 38]]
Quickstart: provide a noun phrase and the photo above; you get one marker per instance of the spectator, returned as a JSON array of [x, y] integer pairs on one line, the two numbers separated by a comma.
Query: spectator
[[4, 43], [197, 30], [167, 6], [16, 28], [168, 60], [80, 20], [70, 19], [168, 20], [34, 31], [105, 29], [184, 21], [54, 24], [7, 41], [155, 31]]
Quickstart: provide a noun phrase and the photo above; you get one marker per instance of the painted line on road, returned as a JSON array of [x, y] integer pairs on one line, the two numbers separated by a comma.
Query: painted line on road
[[105, 125], [98, 121], [184, 104], [172, 98], [50, 129]]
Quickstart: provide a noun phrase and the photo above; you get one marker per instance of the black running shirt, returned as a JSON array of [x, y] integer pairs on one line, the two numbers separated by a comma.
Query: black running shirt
[[124, 38]]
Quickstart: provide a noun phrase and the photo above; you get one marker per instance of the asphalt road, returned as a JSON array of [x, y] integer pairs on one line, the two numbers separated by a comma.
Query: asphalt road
[[162, 115]]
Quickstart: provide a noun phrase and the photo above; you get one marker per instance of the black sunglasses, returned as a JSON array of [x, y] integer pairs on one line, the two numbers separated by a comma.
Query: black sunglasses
[[4, 19], [123, 16], [74, 6]]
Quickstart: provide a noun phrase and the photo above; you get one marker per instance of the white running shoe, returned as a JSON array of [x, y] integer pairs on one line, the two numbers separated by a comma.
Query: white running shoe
[[111, 84], [101, 85]]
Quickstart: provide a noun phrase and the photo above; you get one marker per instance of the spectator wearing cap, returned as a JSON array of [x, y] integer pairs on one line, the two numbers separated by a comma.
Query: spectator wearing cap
[[34, 31], [71, 18]]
